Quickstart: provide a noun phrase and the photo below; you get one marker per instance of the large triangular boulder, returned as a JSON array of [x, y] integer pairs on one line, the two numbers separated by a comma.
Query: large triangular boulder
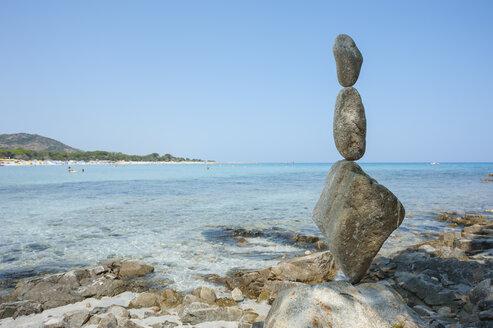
[[356, 215]]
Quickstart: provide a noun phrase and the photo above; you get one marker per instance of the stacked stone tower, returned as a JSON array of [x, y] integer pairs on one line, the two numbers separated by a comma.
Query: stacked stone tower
[[355, 213]]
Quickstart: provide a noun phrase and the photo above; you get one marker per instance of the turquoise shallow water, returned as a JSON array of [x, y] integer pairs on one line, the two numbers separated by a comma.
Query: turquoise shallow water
[[174, 216]]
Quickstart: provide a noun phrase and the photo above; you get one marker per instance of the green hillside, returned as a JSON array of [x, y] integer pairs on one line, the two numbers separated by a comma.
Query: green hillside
[[32, 146], [33, 142]]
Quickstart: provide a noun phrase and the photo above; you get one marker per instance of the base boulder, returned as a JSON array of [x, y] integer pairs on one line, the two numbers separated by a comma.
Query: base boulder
[[339, 304]]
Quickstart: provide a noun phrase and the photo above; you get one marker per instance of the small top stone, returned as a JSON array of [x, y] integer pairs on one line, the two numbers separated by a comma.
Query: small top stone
[[348, 60]]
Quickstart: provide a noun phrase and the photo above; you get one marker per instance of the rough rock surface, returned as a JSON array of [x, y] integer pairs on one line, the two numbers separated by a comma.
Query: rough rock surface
[[73, 286], [206, 294], [349, 125], [447, 281], [170, 298], [309, 242], [356, 215], [197, 312], [131, 269], [76, 319], [339, 304], [54, 290], [15, 309], [315, 268], [109, 321], [348, 60], [146, 300]]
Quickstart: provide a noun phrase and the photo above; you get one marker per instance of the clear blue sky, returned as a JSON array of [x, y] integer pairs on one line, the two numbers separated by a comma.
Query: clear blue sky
[[248, 80]]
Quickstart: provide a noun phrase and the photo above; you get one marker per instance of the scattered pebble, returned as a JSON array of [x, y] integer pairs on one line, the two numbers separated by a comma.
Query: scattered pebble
[[237, 295]]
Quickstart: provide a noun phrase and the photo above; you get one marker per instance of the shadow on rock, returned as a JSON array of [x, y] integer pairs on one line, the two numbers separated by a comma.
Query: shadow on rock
[[447, 280]]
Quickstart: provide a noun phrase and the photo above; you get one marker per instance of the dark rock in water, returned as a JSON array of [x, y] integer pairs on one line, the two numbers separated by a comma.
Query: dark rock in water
[[356, 215], [348, 60], [340, 304], [15, 309], [349, 126], [237, 236], [315, 268], [466, 220]]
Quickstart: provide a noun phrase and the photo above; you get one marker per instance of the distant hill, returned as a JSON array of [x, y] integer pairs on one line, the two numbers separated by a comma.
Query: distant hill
[[33, 142], [32, 146]]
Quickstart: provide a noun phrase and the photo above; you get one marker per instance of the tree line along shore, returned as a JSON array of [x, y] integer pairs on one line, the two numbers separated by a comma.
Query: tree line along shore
[[87, 156]]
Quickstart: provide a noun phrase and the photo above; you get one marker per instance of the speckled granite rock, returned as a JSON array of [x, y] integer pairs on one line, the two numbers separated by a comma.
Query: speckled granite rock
[[356, 215]]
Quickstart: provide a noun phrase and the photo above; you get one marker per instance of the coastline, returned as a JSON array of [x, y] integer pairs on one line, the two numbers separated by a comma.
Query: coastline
[[445, 282], [65, 163]]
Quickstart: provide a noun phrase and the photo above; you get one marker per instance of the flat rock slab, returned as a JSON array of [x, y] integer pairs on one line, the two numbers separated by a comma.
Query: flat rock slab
[[348, 60], [338, 304], [73, 286], [131, 269], [356, 215], [311, 269], [15, 309], [202, 312], [349, 126]]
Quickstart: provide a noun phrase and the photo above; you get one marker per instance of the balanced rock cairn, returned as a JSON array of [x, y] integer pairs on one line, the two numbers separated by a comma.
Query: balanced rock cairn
[[355, 213]]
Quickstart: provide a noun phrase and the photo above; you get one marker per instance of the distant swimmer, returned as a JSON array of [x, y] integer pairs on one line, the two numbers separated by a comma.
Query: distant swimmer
[[69, 169], [83, 171]]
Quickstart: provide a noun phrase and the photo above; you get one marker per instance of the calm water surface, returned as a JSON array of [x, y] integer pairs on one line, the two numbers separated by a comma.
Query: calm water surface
[[174, 216]]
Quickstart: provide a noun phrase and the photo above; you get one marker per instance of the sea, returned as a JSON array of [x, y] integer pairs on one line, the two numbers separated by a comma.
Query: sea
[[183, 218]]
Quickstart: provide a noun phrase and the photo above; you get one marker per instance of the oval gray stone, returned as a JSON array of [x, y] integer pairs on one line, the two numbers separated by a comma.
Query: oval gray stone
[[348, 60], [349, 126], [356, 215]]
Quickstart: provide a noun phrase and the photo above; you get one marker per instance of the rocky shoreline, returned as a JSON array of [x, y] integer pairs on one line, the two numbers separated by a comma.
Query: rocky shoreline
[[446, 282]]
